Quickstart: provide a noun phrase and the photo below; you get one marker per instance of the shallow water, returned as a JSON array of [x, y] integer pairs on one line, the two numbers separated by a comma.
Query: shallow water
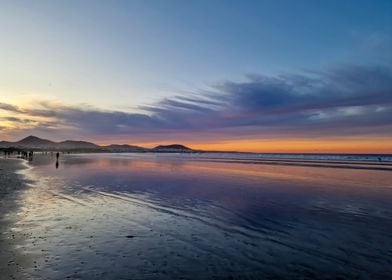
[[146, 216]]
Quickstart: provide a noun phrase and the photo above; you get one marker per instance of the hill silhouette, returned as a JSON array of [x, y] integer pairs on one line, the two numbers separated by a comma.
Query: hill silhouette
[[35, 143], [172, 148]]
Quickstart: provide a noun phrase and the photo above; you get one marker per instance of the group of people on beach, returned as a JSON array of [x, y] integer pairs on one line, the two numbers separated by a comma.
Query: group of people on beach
[[27, 155], [22, 154], [7, 153]]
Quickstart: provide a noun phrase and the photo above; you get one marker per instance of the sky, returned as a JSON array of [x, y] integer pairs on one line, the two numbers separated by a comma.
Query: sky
[[263, 76]]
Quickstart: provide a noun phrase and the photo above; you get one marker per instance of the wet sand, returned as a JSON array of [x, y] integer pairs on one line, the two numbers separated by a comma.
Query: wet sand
[[137, 216], [12, 183]]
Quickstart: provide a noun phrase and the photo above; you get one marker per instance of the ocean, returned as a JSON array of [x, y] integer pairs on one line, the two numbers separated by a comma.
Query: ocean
[[208, 216]]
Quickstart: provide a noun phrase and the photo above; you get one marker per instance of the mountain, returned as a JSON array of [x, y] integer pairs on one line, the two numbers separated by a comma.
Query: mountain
[[33, 142], [36, 143], [5, 144], [173, 148], [69, 144]]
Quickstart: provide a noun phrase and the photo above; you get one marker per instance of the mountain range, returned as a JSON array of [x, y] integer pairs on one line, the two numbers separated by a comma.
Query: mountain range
[[35, 143]]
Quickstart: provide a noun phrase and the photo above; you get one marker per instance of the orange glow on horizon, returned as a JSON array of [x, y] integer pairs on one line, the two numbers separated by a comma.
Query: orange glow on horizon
[[377, 145], [305, 146]]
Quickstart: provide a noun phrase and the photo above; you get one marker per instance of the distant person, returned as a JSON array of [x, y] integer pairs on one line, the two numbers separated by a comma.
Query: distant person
[[57, 159], [31, 154]]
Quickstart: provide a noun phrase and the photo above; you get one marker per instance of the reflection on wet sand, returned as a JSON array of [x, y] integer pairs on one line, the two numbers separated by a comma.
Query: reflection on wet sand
[[161, 217]]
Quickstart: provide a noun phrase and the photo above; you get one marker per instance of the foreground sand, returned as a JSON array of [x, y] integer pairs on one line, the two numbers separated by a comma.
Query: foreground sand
[[12, 183]]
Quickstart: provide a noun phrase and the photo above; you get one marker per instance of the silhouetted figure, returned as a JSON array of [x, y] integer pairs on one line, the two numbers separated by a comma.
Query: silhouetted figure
[[57, 159], [31, 153]]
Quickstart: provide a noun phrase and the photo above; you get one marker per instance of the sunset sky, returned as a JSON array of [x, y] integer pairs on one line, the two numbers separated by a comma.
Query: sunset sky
[[268, 76]]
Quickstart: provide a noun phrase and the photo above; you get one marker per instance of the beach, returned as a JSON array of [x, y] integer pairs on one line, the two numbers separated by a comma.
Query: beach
[[175, 216], [12, 261]]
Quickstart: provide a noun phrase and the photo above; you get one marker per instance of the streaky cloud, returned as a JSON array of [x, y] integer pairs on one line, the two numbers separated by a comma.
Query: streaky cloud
[[9, 107], [341, 101]]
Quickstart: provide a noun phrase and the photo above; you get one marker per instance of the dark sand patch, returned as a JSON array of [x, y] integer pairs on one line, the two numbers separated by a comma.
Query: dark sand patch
[[12, 183]]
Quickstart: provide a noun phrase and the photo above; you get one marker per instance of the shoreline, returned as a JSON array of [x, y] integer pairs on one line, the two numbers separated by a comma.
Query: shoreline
[[12, 183]]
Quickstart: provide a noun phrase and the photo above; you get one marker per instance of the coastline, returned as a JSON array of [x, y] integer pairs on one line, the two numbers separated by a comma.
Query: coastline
[[12, 183]]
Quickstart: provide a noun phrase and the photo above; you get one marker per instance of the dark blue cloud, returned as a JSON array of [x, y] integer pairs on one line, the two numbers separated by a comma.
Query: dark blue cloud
[[337, 102], [341, 87]]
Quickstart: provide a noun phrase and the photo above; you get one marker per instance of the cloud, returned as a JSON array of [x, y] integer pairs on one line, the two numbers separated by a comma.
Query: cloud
[[309, 104], [18, 120], [346, 100], [8, 107]]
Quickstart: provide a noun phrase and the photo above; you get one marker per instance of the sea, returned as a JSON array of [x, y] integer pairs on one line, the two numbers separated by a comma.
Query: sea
[[207, 216]]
